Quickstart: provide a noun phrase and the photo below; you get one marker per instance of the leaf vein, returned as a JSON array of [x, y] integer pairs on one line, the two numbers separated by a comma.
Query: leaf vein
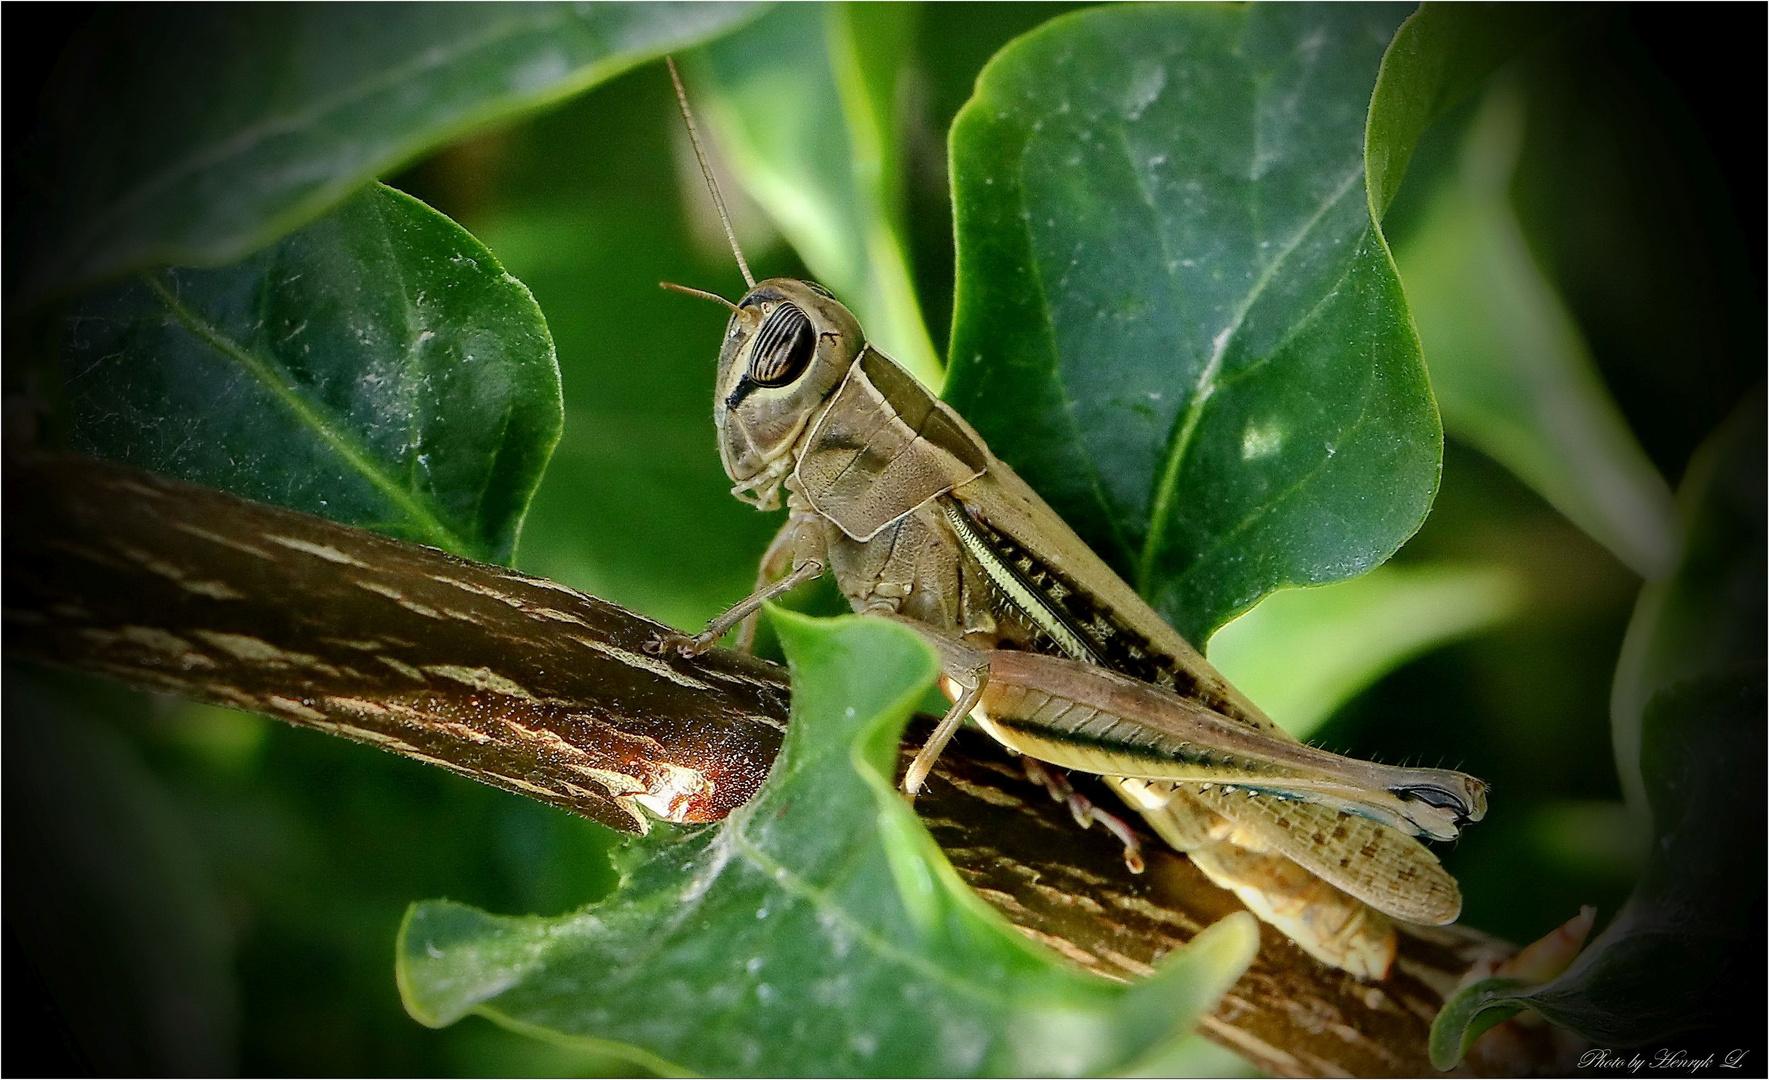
[[1167, 484], [791, 882], [310, 415], [1266, 508]]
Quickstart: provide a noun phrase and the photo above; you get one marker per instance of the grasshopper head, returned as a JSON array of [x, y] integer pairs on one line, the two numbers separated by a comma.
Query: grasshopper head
[[788, 346]]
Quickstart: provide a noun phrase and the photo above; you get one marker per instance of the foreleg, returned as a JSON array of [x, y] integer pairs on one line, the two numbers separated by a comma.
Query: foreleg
[[803, 541], [781, 557]]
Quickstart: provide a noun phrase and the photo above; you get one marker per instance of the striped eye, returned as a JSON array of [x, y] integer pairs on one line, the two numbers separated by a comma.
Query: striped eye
[[783, 347]]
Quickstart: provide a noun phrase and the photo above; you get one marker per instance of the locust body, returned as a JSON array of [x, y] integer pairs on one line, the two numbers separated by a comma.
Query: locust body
[[1044, 646]]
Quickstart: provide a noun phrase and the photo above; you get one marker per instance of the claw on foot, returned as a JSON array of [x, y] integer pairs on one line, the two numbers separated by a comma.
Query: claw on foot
[[1086, 814], [1132, 847], [684, 645]]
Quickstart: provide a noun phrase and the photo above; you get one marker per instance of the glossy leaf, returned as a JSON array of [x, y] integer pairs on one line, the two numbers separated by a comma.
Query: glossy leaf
[[1510, 367], [818, 930], [1302, 653], [1175, 316], [805, 104], [377, 367], [1440, 55], [1678, 954], [196, 135]]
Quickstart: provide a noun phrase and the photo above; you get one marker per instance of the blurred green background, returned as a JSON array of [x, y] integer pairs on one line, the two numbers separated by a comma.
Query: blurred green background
[[209, 891]]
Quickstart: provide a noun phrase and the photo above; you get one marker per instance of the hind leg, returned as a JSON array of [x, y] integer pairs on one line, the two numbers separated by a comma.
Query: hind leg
[[1083, 810]]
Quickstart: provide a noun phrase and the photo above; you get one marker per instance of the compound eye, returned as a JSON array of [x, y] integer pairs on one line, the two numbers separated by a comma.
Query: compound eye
[[783, 347]]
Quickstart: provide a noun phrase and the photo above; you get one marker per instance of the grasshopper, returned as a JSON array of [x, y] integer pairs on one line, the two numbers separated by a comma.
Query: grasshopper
[[1041, 643]]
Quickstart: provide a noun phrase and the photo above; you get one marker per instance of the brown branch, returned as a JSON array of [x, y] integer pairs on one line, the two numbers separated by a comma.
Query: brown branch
[[508, 679], [541, 690]]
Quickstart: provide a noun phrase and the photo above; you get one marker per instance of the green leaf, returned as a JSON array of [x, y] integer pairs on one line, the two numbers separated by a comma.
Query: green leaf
[[1689, 938], [1440, 55], [1174, 314], [198, 135], [805, 103], [818, 930], [1511, 369], [1302, 653], [1194, 1055], [378, 368], [1708, 615]]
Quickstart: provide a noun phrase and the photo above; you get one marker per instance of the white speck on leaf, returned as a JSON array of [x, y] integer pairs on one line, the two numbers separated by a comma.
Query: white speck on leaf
[[1145, 87], [1260, 441]]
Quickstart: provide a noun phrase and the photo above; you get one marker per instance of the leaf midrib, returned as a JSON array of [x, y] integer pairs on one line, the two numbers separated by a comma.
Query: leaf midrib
[[1185, 430], [266, 372]]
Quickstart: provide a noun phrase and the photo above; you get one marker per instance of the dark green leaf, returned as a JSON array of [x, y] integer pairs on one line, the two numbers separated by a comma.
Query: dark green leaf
[[818, 930], [1174, 313], [199, 134], [805, 103], [377, 367], [1679, 953], [1510, 367], [1630, 189], [1439, 56], [1508, 363]]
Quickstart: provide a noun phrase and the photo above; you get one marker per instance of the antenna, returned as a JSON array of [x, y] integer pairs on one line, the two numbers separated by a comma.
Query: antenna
[[701, 293], [706, 171]]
